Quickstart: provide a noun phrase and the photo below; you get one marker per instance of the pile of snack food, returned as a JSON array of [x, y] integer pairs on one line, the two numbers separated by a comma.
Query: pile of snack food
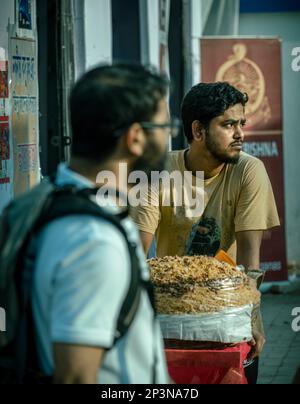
[[191, 285], [201, 298]]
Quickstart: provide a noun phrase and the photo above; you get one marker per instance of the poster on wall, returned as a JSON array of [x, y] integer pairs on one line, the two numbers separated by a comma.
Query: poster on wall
[[164, 19], [5, 141], [4, 89], [25, 22], [4, 92], [24, 89], [254, 67], [24, 14], [4, 150]]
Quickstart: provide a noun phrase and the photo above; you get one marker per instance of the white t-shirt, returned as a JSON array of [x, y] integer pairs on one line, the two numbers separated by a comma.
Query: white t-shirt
[[81, 279]]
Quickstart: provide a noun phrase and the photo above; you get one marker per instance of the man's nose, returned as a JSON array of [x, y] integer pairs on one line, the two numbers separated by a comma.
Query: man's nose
[[239, 133]]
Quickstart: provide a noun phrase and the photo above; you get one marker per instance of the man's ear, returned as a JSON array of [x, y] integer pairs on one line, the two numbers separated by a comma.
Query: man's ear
[[135, 140], [198, 131]]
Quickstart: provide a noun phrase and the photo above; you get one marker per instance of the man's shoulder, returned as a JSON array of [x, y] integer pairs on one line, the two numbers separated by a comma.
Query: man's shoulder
[[70, 232], [248, 169], [247, 162]]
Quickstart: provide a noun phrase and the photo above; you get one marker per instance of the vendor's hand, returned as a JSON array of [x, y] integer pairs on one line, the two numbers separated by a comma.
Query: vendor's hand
[[258, 341]]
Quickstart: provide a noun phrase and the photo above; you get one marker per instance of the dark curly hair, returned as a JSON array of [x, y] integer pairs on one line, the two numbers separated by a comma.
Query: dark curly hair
[[205, 102]]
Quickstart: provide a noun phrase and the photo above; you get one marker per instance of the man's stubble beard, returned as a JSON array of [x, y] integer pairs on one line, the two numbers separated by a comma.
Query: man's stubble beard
[[153, 159], [222, 157]]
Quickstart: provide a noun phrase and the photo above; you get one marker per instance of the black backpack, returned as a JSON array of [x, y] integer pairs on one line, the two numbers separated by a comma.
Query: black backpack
[[19, 223]]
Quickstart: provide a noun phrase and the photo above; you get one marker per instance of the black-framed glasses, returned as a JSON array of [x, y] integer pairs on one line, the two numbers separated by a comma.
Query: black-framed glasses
[[174, 126]]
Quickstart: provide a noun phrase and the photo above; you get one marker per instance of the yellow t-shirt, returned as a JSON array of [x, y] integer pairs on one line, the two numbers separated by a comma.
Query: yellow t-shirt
[[239, 199]]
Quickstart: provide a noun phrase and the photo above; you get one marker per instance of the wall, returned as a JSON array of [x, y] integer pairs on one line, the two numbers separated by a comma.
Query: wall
[[7, 13], [92, 34], [286, 26], [19, 100], [98, 34]]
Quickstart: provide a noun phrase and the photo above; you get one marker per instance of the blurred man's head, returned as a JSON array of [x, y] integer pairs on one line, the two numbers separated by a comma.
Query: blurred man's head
[[120, 110], [213, 117]]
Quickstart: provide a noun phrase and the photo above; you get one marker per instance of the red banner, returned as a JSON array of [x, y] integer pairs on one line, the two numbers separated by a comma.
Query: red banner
[[254, 66]]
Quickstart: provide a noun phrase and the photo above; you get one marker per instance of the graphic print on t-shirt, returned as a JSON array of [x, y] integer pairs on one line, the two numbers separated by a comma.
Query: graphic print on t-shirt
[[205, 238]]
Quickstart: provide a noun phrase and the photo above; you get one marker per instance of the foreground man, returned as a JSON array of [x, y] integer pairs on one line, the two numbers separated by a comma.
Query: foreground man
[[83, 268], [239, 203]]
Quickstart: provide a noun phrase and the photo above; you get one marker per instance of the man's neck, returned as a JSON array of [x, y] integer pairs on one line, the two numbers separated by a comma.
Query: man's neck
[[197, 161], [92, 172]]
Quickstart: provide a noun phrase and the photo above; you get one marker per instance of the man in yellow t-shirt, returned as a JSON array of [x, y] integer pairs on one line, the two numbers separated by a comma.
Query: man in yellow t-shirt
[[238, 201]]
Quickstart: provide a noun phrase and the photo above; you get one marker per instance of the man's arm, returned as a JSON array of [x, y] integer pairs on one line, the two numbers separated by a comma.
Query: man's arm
[[248, 248], [76, 364], [147, 239], [259, 339], [248, 255]]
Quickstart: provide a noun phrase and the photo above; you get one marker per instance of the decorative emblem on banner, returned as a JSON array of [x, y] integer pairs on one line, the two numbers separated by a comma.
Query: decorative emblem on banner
[[247, 76]]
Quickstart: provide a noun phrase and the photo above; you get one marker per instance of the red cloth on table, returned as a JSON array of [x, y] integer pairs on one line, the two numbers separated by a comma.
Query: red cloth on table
[[208, 366]]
